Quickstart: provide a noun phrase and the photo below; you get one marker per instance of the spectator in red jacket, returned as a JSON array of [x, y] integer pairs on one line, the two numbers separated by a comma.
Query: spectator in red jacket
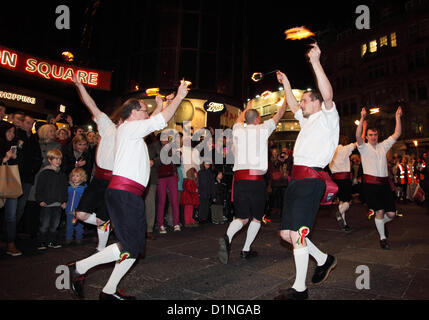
[[190, 198]]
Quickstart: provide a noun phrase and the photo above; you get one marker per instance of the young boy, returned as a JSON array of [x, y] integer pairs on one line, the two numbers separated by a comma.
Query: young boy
[[77, 185], [51, 194]]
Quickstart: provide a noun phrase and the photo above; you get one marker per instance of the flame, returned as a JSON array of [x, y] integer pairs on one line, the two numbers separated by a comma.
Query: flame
[[374, 110], [257, 76], [67, 56], [188, 83], [416, 143], [298, 33], [152, 92]]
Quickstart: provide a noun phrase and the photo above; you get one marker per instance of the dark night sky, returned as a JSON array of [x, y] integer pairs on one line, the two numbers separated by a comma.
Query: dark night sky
[[23, 24]]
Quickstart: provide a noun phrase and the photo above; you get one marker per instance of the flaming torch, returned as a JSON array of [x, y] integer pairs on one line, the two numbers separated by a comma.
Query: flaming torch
[[258, 76], [299, 33]]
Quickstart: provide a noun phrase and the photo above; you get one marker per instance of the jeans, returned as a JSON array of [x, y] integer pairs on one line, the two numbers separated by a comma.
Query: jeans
[[10, 219], [49, 221], [73, 228], [22, 201]]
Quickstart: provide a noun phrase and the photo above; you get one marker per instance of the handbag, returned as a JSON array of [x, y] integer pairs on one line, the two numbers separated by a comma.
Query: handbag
[[10, 182]]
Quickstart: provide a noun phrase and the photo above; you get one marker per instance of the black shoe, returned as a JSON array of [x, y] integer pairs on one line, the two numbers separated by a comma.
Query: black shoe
[[224, 249], [76, 281], [321, 273], [118, 295], [54, 245], [292, 294], [384, 244], [347, 228], [248, 254]]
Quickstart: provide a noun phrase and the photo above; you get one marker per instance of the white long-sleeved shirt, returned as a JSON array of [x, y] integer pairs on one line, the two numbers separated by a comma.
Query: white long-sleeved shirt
[[374, 161], [251, 146], [318, 138], [105, 156], [131, 153], [341, 159]]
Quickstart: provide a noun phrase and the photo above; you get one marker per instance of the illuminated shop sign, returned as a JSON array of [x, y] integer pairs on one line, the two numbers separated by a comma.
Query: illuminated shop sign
[[214, 107], [17, 97], [52, 70]]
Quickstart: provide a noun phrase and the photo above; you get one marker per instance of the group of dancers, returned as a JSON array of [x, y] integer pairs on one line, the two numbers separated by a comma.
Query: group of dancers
[[114, 196]]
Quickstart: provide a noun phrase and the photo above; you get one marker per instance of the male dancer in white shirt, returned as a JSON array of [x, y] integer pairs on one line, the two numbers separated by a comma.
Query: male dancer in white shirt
[[313, 151], [376, 187], [341, 174], [249, 189], [130, 177], [92, 207]]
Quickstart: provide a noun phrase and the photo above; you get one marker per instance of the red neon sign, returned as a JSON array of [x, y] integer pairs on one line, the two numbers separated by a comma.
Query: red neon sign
[[51, 70]]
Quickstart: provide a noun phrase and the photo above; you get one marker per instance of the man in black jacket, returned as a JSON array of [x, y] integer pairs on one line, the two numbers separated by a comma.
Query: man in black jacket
[[206, 190], [29, 163]]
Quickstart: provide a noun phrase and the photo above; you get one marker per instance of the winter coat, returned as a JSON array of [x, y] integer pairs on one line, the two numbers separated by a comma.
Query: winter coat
[[206, 184], [74, 195], [69, 161], [189, 195], [51, 186], [30, 156], [221, 190]]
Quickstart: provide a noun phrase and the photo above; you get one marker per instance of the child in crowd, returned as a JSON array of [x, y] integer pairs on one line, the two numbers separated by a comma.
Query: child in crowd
[[51, 194], [219, 201], [75, 189], [190, 198]]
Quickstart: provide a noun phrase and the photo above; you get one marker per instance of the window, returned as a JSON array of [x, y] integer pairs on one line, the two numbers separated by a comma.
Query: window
[[363, 50], [373, 46], [383, 41], [266, 111], [421, 91], [393, 41]]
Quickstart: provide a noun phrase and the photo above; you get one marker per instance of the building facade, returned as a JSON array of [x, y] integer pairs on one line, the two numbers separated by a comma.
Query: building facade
[[382, 68]]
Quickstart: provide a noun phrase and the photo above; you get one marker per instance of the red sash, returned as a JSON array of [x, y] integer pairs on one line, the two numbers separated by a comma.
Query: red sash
[[331, 188], [342, 176], [250, 175], [375, 180], [102, 174], [378, 181], [121, 183]]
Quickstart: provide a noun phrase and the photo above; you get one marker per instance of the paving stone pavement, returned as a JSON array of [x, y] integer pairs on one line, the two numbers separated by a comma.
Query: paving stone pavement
[[184, 266]]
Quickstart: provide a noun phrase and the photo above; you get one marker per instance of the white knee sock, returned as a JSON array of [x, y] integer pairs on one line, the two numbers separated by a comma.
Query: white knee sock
[[318, 255], [379, 224], [233, 228], [345, 206], [109, 254], [103, 237], [301, 264], [252, 231], [92, 219], [118, 273]]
